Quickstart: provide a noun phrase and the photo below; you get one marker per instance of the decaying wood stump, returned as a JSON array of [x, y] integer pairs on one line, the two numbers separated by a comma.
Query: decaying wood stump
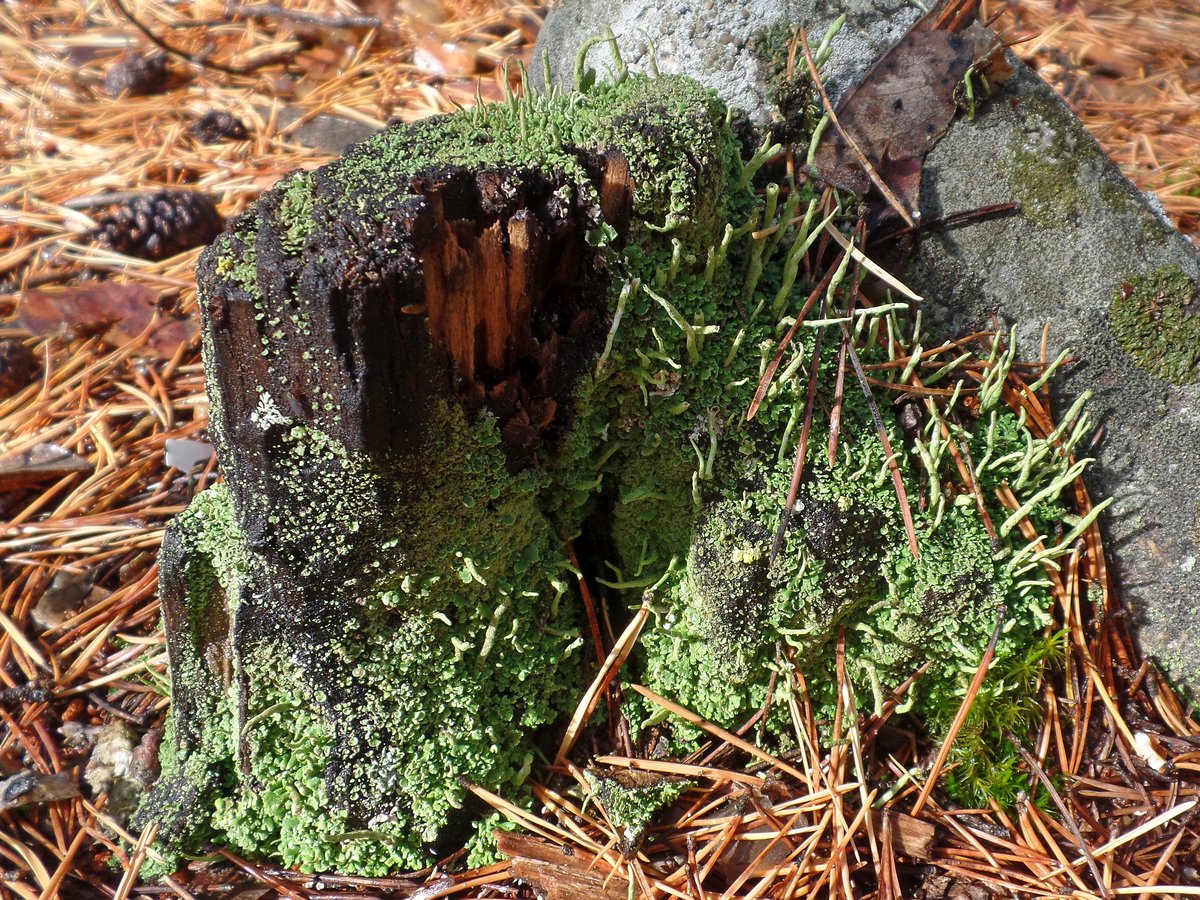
[[377, 601], [470, 339]]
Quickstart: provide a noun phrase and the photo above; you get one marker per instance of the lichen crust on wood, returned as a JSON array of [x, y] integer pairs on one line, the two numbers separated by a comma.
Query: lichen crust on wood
[[472, 338]]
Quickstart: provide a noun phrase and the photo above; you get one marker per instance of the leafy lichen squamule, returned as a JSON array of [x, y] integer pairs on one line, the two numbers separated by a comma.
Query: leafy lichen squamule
[[1156, 320], [464, 639]]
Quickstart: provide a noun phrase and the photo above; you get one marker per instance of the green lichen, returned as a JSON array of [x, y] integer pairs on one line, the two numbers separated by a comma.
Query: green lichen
[[348, 750], [789, 90], [1047, 186], [1120, 195], [237, 254], [667, 129], [296, 211], [1156, 319], [219, 556], [400, 722], [631, 806], [1048, 156]]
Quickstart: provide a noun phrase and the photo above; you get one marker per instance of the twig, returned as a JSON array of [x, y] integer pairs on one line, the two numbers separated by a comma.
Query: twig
[[839, 387], [1037, 770], [193, 59], [802, 446], [769, 373], [946, 221], [321, 20], [261, 876], [881, 429]]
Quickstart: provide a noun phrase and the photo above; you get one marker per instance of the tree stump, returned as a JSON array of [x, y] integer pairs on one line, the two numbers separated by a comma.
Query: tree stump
[[433, 362]]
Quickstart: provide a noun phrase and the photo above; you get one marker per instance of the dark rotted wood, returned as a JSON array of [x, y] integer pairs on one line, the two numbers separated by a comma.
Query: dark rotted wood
[[478, 288], [616, 192], [478, 302]]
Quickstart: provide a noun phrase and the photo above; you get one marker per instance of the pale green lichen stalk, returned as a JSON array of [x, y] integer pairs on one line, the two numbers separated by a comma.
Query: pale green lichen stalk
[[468, 643]]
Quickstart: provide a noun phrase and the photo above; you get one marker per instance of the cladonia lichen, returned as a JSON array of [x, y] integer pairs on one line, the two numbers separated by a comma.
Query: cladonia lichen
[[631, 803], [447, 633]]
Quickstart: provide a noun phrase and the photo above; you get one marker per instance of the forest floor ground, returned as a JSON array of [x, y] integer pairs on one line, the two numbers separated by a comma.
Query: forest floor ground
[[103, 433]]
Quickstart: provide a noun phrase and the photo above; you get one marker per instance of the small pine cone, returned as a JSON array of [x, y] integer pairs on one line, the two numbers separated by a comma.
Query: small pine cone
[[155, 226], [217, 125], [18, 367], [137, 73]]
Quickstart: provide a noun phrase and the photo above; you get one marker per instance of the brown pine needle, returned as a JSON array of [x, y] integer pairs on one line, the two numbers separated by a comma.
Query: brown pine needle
[[608, 671], [839, 395], [769, 373], [839, 387], [897, 479], [717, 731], [801, 448], [1036, 768]]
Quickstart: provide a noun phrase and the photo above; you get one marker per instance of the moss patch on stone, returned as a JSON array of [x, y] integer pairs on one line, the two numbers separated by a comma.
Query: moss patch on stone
[[1156, 319], [1045, 166]]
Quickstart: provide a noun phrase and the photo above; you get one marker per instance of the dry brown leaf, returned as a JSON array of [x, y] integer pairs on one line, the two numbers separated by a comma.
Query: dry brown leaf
[[119, 313], [66, 595], [905, 104]]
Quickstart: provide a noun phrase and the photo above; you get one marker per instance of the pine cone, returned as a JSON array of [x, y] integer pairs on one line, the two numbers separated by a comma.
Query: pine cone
[[155, 226], [18, 367], [217, 125], [139, 74]]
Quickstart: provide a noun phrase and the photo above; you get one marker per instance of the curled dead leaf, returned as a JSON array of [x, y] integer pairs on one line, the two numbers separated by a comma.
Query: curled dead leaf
[[118, 313], [906, 102]]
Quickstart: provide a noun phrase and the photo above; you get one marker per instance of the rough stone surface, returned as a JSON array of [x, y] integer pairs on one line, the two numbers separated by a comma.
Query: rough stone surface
[[718, 43], [1084, 238]]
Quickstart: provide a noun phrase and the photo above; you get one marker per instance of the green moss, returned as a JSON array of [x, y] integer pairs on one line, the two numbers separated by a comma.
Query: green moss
[[668, 129], [1119, 195], [796, 105], [1156, 319], [1048, 157]]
